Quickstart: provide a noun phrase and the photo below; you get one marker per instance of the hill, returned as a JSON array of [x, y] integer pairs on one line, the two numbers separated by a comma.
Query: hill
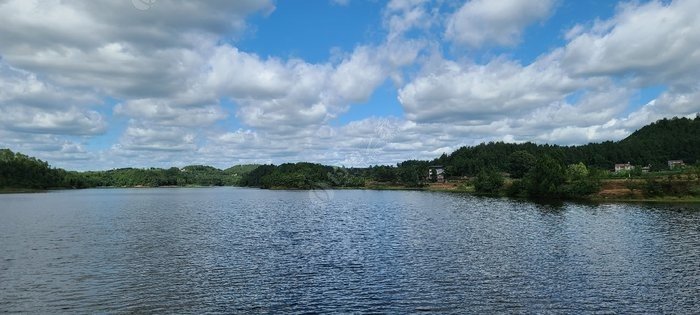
[[654, 144], [666, 139], [18, 171]]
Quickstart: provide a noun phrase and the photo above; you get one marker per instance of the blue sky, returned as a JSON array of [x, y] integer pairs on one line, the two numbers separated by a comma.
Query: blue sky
[[106, 84]]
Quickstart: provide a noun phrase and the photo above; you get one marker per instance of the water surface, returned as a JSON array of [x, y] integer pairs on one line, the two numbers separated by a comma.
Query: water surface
[[228, 250]]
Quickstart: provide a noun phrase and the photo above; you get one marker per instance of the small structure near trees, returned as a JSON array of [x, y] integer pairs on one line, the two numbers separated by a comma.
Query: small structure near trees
[[672, 164], [623, 167], [436, 173]]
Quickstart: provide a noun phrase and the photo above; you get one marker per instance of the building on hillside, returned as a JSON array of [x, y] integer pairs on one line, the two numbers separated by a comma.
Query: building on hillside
[[675, 163], [646, 169], [436, 173], [623, 167]]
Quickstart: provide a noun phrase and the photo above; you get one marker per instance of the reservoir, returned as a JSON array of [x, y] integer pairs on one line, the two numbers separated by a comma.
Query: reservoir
[[234, 250]]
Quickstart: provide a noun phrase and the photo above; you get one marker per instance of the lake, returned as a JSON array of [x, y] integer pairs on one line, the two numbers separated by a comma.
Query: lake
[[232, 250]]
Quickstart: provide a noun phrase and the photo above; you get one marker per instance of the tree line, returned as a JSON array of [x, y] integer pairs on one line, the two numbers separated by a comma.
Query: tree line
[[654, 145], [20, 171]]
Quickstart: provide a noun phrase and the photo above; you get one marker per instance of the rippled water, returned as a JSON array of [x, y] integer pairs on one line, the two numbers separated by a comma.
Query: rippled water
[[253, 251]]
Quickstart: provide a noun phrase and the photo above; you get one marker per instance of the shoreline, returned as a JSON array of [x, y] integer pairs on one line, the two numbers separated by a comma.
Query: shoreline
[[22, 190], [454, 189]]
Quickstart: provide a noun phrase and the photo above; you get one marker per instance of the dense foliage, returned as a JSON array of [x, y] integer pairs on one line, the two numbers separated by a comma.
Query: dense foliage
[[20, 171], [193, 175], [488, 182], [303, 176], [314, 176]]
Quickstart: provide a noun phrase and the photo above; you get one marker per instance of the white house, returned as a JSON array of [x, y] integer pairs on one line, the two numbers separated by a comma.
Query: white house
[[438, 172], [623, 167]]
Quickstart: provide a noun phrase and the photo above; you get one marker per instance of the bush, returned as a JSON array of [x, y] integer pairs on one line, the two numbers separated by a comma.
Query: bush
[[581, 188], [545, 179], [519, 163], [488, 182], [517, 189], [652, 188]]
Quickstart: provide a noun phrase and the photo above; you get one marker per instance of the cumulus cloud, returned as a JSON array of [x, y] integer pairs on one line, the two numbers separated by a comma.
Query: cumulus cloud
[[138, 138], [111, 46], [402, 16], [69, 121], [170, 113], [483, 22], [656, 43], [30, 105], [25, 88], [288, 96], [449, 91]]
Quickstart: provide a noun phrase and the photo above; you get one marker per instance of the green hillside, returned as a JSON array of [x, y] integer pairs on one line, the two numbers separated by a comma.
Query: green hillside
[[666, 139], [655, 144]]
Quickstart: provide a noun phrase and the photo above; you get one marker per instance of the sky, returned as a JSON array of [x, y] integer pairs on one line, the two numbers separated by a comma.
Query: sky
[[92, 85]]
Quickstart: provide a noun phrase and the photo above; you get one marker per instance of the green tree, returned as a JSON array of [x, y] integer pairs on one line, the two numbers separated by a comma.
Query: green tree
[[519, 163], [575, 172], [545, 179], [488, 182]]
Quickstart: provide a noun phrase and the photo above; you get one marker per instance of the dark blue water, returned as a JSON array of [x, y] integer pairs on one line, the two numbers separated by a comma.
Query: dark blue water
[[232, 250]]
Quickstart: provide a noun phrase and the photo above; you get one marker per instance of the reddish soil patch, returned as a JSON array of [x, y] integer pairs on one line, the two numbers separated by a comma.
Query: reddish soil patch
[[618, 188], [443, 186]]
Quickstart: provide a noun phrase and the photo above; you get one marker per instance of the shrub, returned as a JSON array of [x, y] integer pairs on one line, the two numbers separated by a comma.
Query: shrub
[[488, 182]]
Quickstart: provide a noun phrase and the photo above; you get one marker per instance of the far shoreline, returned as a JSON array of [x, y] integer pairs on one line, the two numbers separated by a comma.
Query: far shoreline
[[596, 200]]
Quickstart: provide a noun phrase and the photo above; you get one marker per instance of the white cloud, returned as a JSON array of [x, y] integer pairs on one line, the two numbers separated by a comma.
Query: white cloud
[[140, 138], [18, 87], [402, 16], [289, 96], [272, 93], [654, 42], [163, 112], [70, 121], [114, 48], [357, 77], [482, 22], [30, 105], [449, 91]]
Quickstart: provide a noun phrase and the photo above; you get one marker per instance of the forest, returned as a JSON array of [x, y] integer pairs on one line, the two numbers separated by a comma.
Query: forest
[[516, 169], [18, 171]]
